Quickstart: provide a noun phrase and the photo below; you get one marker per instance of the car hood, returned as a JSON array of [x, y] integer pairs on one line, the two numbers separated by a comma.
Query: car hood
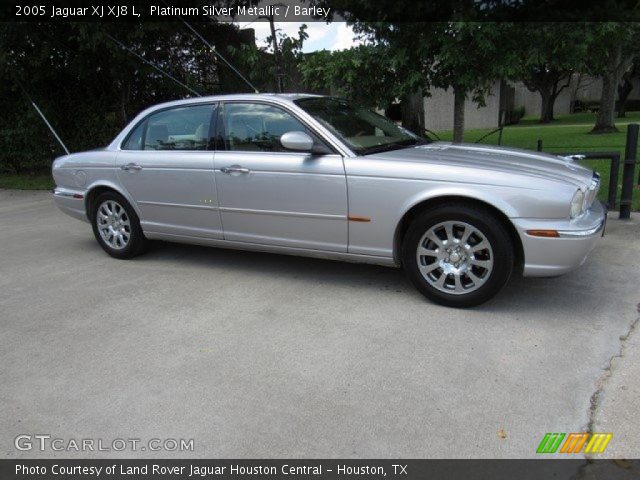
[[499, 159]]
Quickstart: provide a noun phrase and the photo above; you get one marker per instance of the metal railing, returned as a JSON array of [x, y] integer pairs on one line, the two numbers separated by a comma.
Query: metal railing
[[614, 169], [630, 156]]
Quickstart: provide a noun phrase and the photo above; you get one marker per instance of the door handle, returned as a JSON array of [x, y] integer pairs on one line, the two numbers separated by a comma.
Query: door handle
[[131, 166], [234, 169]]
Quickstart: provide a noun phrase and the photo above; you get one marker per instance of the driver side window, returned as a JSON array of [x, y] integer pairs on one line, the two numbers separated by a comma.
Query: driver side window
[[256, 127]]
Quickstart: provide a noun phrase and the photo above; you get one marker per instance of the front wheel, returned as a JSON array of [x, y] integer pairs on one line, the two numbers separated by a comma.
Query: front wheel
[[458, 255]]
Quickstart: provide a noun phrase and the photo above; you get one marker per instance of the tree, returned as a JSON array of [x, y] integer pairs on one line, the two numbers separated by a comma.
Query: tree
[[612, 50], [466, 57], [359, 73], [440, 57], [469, 74], [625, 87], [548, 55], [89, 86], [273, 66], [365, 75], [286, 52]]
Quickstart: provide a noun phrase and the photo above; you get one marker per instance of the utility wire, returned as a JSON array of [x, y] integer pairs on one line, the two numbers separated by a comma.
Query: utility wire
[[43, 118], [124, 47], [215, 52], [140, 57]]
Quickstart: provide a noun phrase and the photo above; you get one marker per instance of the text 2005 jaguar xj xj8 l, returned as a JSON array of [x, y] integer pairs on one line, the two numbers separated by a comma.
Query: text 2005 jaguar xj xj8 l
[[318, 176]]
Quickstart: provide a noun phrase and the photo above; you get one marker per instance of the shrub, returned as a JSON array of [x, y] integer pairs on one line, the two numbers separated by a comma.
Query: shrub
[[514, 116]]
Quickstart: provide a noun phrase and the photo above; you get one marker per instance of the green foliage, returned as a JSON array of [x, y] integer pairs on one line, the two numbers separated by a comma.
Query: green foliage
[[402, 58], [547, 54], [362, 74], [471, 56], [515, 116], [541, 47], [608, 40], [89, 87]]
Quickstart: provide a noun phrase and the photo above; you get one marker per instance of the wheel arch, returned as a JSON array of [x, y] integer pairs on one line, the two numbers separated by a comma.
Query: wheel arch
[[420, 206], [97, 189]]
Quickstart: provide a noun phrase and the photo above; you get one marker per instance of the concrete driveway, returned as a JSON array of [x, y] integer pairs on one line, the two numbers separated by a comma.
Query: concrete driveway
[[257, 355]]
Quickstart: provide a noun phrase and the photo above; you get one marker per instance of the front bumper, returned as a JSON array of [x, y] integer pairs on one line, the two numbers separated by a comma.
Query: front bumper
[[70, 202], [546, 257]]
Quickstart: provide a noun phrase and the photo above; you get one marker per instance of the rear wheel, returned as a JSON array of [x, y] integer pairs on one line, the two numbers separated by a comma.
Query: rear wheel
[[117, 227], [458, 255]]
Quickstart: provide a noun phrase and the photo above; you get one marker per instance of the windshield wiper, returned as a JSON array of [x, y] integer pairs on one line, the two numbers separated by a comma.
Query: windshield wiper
[[390, 146]]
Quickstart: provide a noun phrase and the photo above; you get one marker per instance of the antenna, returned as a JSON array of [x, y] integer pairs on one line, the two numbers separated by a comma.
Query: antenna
[[44, 118], [124, 47], [216, 53]]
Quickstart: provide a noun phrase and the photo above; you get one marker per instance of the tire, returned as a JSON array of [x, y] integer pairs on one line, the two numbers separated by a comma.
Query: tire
[[450, 269], [117, 227]]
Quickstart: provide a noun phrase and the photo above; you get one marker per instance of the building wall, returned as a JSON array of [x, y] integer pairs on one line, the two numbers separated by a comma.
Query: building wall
[[438, 110], [590, 89], [532, 102], [587, 90]]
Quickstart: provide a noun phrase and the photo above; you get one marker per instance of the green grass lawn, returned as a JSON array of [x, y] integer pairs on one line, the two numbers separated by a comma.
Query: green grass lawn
[[27, 181], [569, 133]]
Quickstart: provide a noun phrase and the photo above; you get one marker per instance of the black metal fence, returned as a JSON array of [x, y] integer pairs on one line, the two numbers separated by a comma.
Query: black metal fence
[[614, 169], [631, 154]]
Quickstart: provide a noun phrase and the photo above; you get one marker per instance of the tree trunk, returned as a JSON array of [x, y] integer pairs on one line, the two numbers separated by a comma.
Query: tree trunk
[[574, 93], [546, 108], [616, 66], [550, 107], [549, 84], [459, 97], [623, 94], [605, 121], [551, 104], [412, 107]]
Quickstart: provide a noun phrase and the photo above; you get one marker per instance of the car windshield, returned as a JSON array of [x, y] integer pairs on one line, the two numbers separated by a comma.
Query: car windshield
[[361, 129]]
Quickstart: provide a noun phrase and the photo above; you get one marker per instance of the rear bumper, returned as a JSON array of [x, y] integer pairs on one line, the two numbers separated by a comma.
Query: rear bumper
[[545, 257], [70, 202]]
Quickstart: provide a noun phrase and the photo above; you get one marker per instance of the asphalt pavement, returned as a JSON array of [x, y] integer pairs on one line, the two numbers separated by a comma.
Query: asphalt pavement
[[269, 356]]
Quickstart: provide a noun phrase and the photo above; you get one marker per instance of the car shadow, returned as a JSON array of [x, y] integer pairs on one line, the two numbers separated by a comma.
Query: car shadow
[[290, 266], [556, 296]]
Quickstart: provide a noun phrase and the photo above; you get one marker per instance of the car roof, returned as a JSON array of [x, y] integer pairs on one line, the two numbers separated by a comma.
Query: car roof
[[287, 97], [281, 98]]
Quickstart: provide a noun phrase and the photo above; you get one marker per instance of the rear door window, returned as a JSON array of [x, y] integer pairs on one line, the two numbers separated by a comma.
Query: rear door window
[[181, 128]]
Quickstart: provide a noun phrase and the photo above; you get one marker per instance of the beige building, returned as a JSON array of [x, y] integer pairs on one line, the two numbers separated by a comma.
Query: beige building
[[438, 108]]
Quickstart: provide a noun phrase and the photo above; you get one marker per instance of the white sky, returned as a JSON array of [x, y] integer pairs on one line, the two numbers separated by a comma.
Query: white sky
[[322, 36]]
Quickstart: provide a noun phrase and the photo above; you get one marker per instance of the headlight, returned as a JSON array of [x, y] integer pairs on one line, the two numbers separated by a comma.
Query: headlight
[[577, 204]]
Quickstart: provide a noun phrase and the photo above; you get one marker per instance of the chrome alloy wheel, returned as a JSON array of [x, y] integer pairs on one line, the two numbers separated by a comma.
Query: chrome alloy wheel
[[113, 224], [455, 257]]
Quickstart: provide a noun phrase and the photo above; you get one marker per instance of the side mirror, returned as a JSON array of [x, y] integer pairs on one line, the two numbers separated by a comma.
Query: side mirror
[[297, 141]]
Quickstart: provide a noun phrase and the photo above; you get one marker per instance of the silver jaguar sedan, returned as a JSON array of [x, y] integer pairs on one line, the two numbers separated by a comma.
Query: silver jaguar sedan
[[318, 176]]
